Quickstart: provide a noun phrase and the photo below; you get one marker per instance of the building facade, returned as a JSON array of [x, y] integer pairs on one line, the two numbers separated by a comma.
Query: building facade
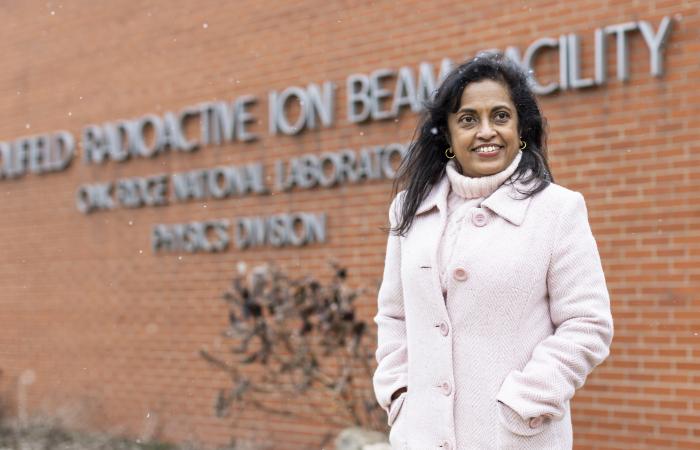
[[149, 149]]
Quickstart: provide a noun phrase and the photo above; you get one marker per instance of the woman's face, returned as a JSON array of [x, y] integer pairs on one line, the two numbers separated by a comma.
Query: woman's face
[[483, 133]]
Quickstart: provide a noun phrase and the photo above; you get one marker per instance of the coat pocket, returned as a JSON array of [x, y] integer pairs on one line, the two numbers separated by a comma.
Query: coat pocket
[[395, 408], [512, 421], [516, 433], [397, 415]]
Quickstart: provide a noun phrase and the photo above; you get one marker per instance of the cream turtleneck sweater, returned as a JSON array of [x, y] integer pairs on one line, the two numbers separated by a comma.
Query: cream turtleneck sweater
[[465, 193]]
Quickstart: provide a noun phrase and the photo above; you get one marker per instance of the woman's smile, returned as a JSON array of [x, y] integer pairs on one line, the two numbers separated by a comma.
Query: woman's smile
[[488, 150]]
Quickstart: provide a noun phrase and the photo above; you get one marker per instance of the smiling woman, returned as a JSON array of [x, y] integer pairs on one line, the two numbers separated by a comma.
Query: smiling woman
[[492, 279], [483, 133]]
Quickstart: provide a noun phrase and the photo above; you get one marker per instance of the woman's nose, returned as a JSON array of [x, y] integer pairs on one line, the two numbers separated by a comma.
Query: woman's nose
[[485, 131]]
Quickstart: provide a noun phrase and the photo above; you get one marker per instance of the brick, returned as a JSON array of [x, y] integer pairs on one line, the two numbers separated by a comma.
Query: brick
[[116, 329]]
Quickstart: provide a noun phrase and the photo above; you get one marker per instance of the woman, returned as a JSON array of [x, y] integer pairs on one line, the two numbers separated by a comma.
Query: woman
[[493, 308]]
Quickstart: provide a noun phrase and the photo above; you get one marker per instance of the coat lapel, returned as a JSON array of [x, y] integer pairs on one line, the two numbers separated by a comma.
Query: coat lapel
[[434, 210], [508, 202], [437, 197]]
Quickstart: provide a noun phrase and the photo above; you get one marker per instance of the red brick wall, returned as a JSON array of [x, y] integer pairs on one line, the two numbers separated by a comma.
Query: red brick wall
[[112, 331]]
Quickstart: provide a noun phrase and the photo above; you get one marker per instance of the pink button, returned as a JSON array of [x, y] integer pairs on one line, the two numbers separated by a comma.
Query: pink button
[[460, 274], [536, 422], [444, 328], [479, 219], [445, 445], [446, 388]]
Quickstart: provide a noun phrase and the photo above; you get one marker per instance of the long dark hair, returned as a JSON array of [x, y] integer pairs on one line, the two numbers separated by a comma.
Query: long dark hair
[[424, 164]]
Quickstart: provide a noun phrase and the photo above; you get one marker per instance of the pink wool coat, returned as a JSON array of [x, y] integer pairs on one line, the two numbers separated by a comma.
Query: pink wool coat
[[526, 319]]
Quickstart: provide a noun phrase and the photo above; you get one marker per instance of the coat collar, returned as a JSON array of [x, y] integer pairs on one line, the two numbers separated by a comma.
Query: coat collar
[[437, 197], [505, 201]]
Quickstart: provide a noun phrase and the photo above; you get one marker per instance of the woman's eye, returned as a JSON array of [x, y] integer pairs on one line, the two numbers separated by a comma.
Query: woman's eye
[[502, 116], [467, 120]]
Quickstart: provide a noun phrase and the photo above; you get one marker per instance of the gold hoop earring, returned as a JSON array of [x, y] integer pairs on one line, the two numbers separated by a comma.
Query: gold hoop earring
[[523, 144], [448, 150]]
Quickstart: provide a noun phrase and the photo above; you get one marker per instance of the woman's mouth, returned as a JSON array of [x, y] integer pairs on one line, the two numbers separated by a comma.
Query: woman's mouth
[[487, 150]]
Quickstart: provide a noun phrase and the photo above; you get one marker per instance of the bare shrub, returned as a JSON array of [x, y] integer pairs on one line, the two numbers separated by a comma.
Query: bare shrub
[[295, 338]]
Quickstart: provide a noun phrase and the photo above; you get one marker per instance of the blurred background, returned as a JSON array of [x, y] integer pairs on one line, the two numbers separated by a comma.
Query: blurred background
[[192, 197]]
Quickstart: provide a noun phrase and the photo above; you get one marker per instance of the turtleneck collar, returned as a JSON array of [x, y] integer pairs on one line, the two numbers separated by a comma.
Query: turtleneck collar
[[476, 187]]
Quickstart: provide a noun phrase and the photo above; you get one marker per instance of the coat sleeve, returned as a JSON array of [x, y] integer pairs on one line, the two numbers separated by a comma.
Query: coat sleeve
[[392, 354], [579, 307]]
